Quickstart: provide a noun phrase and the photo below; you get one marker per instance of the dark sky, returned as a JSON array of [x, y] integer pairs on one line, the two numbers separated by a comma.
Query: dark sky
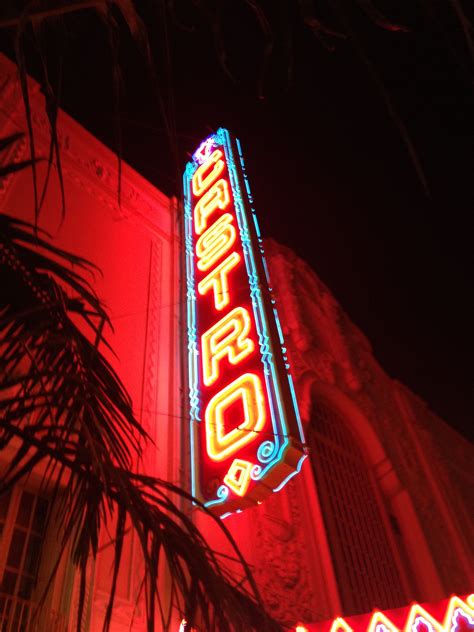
[[330, 174]]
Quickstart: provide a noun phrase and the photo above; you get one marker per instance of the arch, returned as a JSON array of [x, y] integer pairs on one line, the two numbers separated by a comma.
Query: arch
[[343, 405], [413, 558], [362, 547]]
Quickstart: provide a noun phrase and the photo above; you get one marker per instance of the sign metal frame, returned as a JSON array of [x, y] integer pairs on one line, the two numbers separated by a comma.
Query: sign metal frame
[[280, 452]]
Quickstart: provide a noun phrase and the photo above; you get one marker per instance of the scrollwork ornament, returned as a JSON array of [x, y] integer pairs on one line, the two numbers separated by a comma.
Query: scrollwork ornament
[[267, 451], [222, 492], [255, 472]]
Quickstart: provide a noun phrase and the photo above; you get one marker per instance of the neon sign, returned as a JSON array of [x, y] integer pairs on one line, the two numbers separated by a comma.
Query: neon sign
[[246, 435], [451, 615]]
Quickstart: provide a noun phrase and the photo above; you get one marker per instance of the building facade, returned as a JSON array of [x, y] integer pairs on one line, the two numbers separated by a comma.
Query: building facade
[[380, 514]]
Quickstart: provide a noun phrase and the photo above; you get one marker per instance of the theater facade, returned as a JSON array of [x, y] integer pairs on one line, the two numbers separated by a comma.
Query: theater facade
[[349, 498]]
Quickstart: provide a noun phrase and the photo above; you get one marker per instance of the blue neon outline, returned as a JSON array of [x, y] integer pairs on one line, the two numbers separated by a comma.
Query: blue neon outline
[[271, 380], [279, 423], [297, 410], [290, 476], [193, 371]]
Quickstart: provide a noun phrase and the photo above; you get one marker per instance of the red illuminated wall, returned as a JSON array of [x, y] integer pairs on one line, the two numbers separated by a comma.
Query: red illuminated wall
[[137, 248]]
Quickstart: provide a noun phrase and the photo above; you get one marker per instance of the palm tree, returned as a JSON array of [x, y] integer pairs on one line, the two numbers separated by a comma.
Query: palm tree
[[65, 412]]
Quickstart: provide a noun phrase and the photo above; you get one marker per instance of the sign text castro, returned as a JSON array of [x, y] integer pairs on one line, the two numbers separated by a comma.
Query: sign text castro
[[246, 438]]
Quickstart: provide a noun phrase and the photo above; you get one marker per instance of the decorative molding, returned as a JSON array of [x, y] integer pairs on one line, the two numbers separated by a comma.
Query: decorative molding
[[85, 161], [10, 96], [149, 400], [15, 153], [88, 164], [282, 563], [326, 348]]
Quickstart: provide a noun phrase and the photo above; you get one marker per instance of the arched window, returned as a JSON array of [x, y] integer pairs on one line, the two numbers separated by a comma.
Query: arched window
[[364, 563]]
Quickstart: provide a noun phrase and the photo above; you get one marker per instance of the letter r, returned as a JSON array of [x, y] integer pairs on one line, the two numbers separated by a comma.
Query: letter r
[[227, 338]]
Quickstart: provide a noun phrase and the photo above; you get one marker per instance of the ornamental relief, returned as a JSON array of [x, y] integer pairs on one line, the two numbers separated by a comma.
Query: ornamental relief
[[10, 92], [149, 404], [88, 169], [323, 366], [328, 347], [312, 322], [84, 163], [16, 153], [281, 558], [321, 327], [10, 99], [334, 350]]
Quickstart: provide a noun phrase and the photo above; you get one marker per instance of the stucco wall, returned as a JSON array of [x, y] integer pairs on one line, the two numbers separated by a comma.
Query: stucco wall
[[136, 247]]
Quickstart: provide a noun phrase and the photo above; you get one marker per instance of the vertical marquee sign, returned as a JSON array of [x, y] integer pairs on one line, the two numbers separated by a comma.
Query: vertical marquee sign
[[246, 437]]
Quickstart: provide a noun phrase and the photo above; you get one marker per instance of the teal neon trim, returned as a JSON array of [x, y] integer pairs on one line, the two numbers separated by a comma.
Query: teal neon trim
[[280, 331], [265, 267], [297, 410], [277, 416], [257, 227], [193, 353], [274, 449], [290, 476]]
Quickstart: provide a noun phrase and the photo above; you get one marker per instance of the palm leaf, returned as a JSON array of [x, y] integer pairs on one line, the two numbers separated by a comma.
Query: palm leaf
[[64, 408]]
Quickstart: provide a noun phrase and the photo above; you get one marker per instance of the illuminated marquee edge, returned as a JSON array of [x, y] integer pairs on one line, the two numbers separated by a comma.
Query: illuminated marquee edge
[[282, 440], [406, 619], [435, 617]]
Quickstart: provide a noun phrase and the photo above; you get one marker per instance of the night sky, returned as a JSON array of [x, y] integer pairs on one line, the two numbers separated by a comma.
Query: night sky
[[328, 167]]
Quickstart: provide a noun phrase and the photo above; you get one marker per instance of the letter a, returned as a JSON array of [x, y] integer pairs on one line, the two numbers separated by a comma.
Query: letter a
[[216, 198], [228, 337], [248, 389]]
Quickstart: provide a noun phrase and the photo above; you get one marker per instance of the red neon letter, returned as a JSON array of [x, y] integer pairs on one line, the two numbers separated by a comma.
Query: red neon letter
[[208, 173], [215, 241], [218, 281], [248, 389], [216, 197], [228, 337]]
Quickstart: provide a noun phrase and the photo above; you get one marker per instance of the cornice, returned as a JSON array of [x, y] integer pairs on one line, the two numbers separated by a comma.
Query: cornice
[[84, 159]]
